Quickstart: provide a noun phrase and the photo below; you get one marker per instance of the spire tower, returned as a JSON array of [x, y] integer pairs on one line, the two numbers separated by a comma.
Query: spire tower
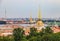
[[30, 17], [39, 21], [39, 13]]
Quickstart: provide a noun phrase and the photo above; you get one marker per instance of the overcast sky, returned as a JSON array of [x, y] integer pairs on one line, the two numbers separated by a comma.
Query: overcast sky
[[23, 8]]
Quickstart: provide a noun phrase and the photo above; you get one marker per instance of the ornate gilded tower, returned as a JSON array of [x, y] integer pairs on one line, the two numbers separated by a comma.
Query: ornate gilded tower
[[39, 21], [31, 20], [31, 17]]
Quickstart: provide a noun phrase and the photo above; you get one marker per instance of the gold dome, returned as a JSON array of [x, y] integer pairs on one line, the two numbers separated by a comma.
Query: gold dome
[[40, 23]]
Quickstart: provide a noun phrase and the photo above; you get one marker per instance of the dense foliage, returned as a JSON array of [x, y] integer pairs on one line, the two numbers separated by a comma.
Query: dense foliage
[[44, 35]]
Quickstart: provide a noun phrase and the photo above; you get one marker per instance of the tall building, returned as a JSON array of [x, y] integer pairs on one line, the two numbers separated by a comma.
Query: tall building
[[31, 19], [39, 23]]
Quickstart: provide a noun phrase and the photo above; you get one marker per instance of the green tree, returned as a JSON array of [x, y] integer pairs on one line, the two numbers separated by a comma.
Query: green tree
[[6, 38], [48, 30], [24, 39], [39, 38], [33, 38], [45, 38], [18, 34], [1, 38], [33, 31], [55, 36], [41, 33]]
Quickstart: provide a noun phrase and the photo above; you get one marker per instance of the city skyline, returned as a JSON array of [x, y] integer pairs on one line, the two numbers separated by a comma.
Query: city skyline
[[22, 8]]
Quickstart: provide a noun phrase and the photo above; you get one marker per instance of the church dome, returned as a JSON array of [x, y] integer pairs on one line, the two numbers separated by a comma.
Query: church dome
[[39, 23]]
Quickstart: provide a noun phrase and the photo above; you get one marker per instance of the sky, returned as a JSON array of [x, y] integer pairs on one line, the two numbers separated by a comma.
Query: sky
[[23, 8]]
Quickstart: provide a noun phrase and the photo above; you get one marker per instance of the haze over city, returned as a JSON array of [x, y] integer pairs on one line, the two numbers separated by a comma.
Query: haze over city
[[23, 8]]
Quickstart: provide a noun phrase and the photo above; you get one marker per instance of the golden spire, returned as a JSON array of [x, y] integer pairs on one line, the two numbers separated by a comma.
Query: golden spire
[[39, 22], [31, 20], [39, 13], [30, 17]]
